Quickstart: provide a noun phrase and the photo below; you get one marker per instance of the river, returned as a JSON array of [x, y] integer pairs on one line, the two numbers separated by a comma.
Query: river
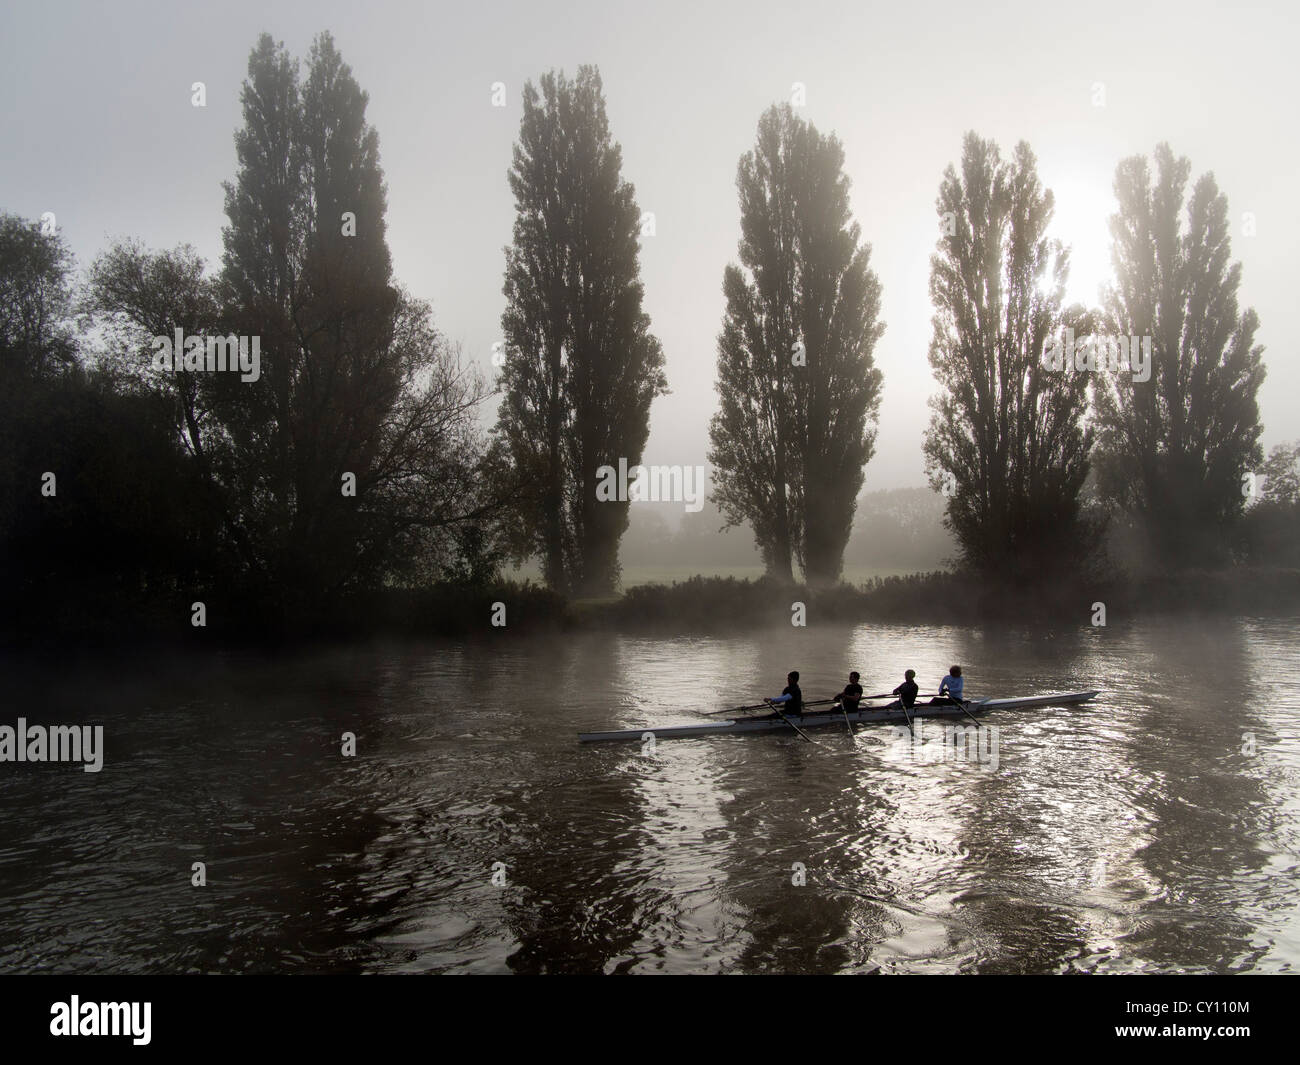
[[1156, 829]]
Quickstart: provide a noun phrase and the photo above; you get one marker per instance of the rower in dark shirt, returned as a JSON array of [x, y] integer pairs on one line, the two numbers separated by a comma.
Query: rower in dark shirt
[[906, 691], [792, 697], [851, 694]]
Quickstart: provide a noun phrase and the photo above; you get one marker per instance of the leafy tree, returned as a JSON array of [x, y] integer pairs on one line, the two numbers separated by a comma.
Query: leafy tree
[[1282, 475], [136, 295], [1007, 442], [1177, 447], [581, 366], [36, 335], [797, 383], [1267, 532], [37, 345], [93, 487]]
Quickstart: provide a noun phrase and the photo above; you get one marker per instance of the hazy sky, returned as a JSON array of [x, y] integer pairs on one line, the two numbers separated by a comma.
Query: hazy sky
[[97, 126]]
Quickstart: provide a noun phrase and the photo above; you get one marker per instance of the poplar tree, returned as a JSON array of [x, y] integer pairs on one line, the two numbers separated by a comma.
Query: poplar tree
[[797, 383], [1007, 441], [581, 365], [1178, 449]]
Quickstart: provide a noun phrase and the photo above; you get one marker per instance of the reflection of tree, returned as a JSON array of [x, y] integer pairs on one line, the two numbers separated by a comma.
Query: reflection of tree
[[1212, 822], [580, 891], [819, 927], [197, 770], [571, 905]]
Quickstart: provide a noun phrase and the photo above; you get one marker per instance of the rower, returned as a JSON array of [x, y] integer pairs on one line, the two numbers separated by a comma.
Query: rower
[[950, 687], [851, 695], [906, 691], [791, 695]]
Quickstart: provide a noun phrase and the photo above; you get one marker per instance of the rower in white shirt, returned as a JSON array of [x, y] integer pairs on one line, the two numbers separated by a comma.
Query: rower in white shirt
[[950, 686]]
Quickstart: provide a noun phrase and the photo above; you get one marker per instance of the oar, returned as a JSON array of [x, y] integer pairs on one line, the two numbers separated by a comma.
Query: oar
[[906, 715], [960, 705], [890, 695], [735, 710], [797, 729], [847, 723], [967, 712], [759, 706]]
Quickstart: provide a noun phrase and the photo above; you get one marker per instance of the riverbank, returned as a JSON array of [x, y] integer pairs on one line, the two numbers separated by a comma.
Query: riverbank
[[711, 604], [701, 605]]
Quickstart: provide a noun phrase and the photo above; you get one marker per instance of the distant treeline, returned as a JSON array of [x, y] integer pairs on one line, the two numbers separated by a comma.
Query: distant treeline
[[287, 443], [894, 529]]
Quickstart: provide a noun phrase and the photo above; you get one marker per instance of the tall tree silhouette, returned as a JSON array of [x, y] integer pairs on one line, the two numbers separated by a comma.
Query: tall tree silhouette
[[1007, 441], [1176, 448], [37, 347], [581, 366], [355, 379], [798, 388]]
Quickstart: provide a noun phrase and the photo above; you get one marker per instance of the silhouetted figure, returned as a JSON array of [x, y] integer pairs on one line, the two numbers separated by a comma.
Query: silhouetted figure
[[906, 691], [851, 694]]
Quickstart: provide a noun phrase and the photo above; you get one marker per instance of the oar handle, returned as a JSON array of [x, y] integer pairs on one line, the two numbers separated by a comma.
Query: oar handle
[[777, 707], [890, 695]]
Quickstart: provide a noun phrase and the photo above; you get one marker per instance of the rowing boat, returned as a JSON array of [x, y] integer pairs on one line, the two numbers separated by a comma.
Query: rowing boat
[[866, 716]]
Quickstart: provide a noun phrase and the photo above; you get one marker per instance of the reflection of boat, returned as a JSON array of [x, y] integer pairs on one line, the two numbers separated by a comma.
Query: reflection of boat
[[865, 715]]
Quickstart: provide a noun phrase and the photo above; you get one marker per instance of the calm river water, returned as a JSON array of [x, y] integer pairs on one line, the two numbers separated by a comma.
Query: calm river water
[[1143, 832]]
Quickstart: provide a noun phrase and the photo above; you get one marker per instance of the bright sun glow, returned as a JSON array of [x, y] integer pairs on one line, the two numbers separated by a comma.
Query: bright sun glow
[[1081, 222]]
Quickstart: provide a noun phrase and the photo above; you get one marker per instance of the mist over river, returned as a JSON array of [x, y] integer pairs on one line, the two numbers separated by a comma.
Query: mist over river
[[1156, 829]]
